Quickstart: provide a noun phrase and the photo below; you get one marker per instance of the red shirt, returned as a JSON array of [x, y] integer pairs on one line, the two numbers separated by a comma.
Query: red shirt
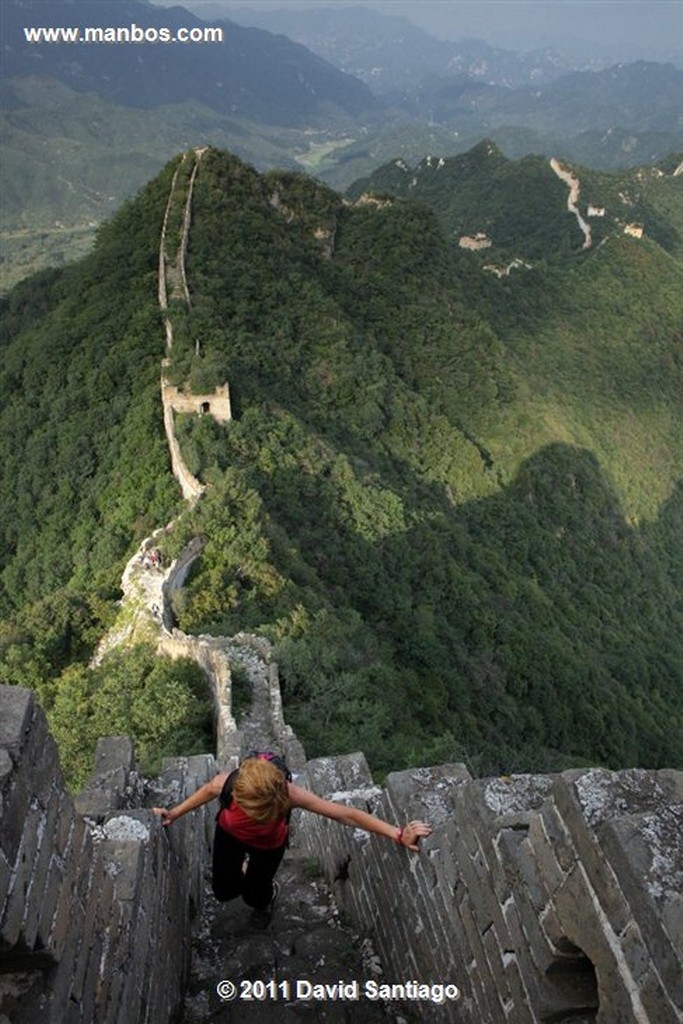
[[253, 833]]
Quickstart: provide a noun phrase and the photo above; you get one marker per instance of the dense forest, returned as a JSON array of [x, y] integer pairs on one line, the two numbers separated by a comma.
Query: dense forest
[[451, 499]]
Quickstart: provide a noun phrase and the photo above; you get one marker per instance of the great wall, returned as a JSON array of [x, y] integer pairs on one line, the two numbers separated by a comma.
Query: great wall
[[539, 898]]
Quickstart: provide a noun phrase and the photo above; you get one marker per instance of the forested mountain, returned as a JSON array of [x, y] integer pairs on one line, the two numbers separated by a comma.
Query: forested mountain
[[517, 205], [85, 125], [450, 496]]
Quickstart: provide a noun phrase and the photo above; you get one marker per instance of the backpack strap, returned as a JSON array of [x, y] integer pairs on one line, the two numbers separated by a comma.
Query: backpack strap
[[225, 797], [276, 759]]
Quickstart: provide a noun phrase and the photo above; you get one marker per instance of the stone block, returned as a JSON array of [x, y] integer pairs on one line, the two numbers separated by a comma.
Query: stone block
[[17, 798], [481, 981], [446, 872], [37, 891], [103, 794], [424, 938], [426, 793], [11, 925], [505, 847], [527, 880], [660, 1005], [494, 958], [587, 800], [482, 898], [558, 835], [646, 851], [601, 795], [507, 801], [603, 880], [62, 984], [113, 753], [96, 888], [634, 951], [534, 938], [329, 775], [520, 1000], [543, 853], [115, 994], [118, 953], [5, 876], [200, 768], [552, 930], [17, 705], [124, 862], [67, 919], [69, 913], [88, 991], [46, 769], [65, 823], [48, 903]]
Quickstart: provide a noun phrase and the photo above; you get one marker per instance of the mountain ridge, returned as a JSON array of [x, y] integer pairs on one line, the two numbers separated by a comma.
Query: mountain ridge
[[448, 500]]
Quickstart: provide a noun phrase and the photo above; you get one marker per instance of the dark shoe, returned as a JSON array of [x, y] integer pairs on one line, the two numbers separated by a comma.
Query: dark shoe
[[260, 917]]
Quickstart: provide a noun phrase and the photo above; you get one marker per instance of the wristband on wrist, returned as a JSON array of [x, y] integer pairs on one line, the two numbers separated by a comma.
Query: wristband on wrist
[[399, 836]]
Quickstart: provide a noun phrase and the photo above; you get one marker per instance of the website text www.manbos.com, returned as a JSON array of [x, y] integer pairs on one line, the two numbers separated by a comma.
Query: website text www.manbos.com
[[124, 34]]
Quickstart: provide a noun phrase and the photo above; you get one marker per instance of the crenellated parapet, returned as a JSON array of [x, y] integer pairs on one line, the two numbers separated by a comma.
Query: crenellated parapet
[[543, 898], [96, 899]]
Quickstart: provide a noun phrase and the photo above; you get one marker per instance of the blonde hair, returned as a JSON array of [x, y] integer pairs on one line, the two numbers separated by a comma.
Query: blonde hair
[[261, 791]]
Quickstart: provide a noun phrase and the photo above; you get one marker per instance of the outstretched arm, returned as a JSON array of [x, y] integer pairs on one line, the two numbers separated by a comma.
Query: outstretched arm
[[209, 791], [408, 836]]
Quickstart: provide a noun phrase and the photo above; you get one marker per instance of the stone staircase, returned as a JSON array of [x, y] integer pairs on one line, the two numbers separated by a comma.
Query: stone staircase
[[307, 942]]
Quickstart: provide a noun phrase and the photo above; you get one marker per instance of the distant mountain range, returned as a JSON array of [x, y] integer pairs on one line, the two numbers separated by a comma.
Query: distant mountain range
[[250, 74], [390, 53], [642, 97], [84, 126]]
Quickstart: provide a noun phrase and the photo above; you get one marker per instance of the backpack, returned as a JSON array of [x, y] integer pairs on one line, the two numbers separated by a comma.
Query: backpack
[[225, 797]]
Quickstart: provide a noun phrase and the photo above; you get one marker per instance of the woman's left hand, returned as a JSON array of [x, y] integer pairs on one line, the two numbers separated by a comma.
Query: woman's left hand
[[166, 816], [413, 832]]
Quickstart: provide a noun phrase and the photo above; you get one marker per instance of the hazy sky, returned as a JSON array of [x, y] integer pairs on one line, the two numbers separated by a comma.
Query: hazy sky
[[628, 29]]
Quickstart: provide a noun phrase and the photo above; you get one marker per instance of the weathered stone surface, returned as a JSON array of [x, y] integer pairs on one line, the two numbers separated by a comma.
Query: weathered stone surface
[[538, 896], [18, 706], [647, 851], [329, 775]]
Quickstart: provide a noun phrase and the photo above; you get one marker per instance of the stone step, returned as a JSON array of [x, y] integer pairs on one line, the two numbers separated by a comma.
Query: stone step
[[305, 943]]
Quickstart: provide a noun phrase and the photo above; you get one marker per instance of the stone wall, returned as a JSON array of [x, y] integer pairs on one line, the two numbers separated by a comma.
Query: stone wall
[[213, 659], [191, 488], [96, 898], [543, 898]]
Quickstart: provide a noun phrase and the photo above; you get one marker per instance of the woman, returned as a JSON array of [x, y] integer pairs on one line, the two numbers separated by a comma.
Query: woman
[[251, 832]]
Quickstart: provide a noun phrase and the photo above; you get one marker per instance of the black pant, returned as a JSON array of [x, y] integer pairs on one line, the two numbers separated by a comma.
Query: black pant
[[255, 886]]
